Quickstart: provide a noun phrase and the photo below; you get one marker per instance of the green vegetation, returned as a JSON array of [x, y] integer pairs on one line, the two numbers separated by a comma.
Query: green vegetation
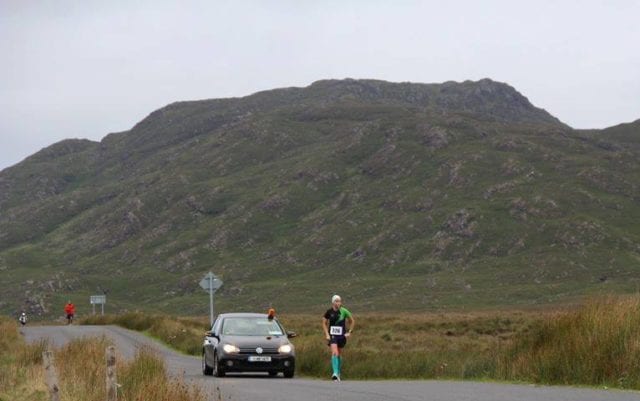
[[81, 372], [417, 197], [412, 346], [595, 344], [182, 334], [21, 373]]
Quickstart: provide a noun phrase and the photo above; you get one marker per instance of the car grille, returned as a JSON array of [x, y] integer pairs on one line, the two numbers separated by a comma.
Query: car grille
[[252, 350]]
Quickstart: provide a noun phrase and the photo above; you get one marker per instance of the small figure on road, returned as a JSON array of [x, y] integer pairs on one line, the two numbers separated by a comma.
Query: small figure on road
[[70, 311], [337, 324], [23, 319]]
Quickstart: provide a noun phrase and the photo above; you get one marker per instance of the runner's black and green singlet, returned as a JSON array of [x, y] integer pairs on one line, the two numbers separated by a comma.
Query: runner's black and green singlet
[[337, 321]]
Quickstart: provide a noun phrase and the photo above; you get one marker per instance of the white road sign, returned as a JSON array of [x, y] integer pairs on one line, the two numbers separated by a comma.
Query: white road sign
[[98, 299], [210, 282]]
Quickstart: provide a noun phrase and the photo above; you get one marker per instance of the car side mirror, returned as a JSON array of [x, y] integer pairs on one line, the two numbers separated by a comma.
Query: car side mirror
[[291, 334], [213, 334]]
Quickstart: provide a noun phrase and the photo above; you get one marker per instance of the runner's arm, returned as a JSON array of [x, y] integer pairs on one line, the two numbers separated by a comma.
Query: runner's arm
[[325, 327], [352, 324]]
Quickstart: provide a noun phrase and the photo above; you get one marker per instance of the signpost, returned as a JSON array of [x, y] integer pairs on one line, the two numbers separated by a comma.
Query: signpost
[[211, 283], [98, 300]]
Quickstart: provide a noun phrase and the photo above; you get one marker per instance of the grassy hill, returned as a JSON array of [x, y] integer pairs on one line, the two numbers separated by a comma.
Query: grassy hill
[[398, 195]]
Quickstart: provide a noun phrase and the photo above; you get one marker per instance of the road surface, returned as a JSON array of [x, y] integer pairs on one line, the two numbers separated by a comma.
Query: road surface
[[262, 388]]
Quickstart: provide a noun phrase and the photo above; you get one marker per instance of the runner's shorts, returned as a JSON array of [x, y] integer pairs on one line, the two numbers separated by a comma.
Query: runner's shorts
[[340, 340]]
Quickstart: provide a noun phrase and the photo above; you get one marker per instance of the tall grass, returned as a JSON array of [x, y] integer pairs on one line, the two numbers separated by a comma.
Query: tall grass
[[598, 344], [21, 374], [409, 346], [81, 371]]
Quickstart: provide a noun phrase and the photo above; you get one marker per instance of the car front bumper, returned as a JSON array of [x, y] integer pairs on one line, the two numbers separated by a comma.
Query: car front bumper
[[241, 363]]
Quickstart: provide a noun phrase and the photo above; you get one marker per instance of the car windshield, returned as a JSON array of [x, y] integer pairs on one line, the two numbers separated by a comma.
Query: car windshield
[[250, 326]]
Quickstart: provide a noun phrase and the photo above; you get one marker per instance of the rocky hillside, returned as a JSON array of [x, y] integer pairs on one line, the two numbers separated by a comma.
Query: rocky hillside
[[399, 195]]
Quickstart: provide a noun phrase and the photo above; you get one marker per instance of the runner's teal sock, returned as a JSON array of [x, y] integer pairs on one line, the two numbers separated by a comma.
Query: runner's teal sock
[[339, 365], [335, 364]]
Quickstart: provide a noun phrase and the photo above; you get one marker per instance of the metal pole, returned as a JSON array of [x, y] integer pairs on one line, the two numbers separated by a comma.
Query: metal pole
[[211, 297]]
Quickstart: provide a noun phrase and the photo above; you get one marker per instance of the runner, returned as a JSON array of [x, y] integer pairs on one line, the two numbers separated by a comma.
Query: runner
[[70, 311], [335, 323], [23, 319]]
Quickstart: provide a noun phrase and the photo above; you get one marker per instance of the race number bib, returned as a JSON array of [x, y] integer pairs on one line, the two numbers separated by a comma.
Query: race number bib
[[336, 330]]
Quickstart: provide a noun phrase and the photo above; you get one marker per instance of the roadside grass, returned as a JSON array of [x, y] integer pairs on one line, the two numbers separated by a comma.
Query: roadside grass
[[81, 372], [411, 346], [21, 372], [595, 344], [182, 334], [599, 344]]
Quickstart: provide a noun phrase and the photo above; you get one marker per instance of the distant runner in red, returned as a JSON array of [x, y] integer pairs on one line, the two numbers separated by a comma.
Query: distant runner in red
[[70, 311]]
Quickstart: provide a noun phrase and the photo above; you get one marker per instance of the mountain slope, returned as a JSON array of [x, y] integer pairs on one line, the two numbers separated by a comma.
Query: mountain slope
[[400, 195], [628, 132]]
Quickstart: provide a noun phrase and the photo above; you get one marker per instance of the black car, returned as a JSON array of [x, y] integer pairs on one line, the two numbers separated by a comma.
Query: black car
[[248, 342]]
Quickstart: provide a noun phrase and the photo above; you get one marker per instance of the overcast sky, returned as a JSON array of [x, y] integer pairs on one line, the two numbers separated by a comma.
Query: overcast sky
[[82, 69]]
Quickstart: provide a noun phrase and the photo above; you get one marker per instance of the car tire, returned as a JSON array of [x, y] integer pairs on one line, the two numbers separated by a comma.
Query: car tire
[[273, 373], [289, 373], [206, 369], [218, 370]]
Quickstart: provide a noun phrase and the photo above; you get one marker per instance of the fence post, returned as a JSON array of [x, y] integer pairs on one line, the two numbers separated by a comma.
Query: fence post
[[112, 381], [51, 376]]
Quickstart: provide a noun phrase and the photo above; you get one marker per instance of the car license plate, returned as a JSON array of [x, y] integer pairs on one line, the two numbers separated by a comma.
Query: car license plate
[[259, 359]]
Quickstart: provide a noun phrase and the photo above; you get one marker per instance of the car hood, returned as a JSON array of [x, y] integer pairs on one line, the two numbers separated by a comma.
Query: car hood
[[255, 341]]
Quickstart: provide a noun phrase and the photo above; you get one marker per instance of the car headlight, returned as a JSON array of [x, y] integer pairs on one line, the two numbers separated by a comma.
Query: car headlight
[[285, 349], [230, 349]]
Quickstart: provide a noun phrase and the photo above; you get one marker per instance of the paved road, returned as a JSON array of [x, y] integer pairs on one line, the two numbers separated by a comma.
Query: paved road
[[262, 388]]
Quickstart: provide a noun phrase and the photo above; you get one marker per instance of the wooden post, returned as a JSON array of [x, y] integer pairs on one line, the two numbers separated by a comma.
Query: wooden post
[[112, 381], [51, 376]]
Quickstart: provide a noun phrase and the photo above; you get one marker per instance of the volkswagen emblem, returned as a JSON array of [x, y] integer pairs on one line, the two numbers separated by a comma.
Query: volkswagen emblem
[[259, 350]]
